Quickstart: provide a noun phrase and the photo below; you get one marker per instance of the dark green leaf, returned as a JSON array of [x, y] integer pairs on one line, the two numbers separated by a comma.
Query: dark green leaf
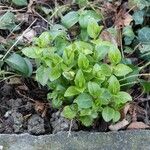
[[138, 17], [20, 2], [144, 35], [18, 63]]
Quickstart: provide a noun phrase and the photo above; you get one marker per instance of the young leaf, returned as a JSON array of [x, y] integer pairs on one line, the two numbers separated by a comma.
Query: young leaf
[[44, 39], [70, 19], [108, 113], [83, 62], [79, 79], [84, 100], [32, 52], [55, 73], [86, 120], [56, 103], [69, 113], [122, 70], [114, 85], [42, 75], [93, 28], [94, 89], [71, 91], [16, 62], [69, 75], [114, 55]]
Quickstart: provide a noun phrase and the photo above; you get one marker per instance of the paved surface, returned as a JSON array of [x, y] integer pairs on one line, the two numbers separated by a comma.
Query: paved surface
[[124, 140]]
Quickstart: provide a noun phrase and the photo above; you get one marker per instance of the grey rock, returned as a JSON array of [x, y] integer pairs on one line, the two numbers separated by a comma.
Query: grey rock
[[60, 123], [36, 125], [18, 122], [123, 140], [15, 103]]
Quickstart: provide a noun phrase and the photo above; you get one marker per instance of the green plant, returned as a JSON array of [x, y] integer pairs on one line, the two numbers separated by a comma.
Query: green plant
[[83, 74]]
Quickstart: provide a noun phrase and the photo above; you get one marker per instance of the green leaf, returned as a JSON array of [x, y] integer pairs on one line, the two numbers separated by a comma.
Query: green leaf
[[129, 35], [84, 100], [123, 97], [107, 114], [85, 17], [114, 55], [32, 52], [30, 67], [56, 103], [100, 51], [69, 75], [86, 120], [42, 75], [94, 89], [144, 35], [18, 63], [79, 79], [55, 73], [146, 85], [138, 17], [106, 69], [70, 19], [84, 47], [7, 21], [69, 112], [83, 62], [71, 91], [81, 2], [20, 2], [116, 116], [44, 39], [122, 70], [93, 28], [114, 85]]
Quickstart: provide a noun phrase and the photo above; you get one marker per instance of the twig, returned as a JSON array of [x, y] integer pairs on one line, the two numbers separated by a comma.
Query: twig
[[69, 133]]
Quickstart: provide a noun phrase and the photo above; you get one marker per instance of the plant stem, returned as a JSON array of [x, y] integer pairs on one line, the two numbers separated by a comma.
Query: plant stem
[[147, 64], [136, 75]]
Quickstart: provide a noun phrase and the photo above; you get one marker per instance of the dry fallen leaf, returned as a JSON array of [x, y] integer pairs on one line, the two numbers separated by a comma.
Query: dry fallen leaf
[[138, 125], [120, 125]]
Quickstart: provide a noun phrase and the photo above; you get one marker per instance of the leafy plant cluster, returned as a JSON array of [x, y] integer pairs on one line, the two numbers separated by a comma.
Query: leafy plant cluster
[[83, 74]]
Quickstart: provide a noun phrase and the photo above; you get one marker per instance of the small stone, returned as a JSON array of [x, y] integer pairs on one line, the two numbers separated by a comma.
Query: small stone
[[60, 123], [36, 125], [18, 122]]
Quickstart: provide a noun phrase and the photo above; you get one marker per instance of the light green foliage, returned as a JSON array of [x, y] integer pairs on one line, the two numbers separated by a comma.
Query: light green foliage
[[80, 82]]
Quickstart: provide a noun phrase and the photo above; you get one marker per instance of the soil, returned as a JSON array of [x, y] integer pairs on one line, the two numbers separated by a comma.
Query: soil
[[21, 112]]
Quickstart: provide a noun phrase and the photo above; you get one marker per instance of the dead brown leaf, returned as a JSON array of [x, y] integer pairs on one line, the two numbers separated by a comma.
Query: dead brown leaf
[[138, 125], [120, 125]]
